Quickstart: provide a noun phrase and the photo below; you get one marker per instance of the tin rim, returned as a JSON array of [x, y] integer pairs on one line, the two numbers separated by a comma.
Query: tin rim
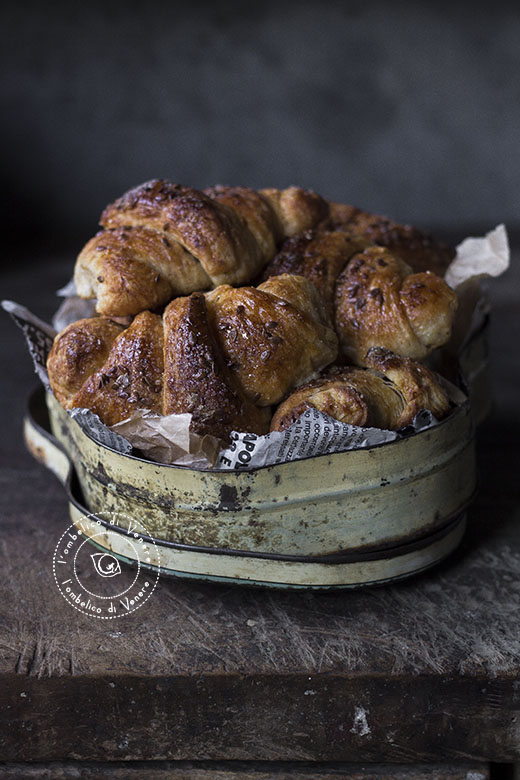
[[37, 396], [456, 534]]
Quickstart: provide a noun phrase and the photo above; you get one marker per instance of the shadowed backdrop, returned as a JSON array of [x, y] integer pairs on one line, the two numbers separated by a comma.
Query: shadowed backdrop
[[410, 110]]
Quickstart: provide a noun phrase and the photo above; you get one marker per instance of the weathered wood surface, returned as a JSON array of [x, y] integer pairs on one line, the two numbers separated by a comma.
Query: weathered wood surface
[[168, 770], [424, 670]]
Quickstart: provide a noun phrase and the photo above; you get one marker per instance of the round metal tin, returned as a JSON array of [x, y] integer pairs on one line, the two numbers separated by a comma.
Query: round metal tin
[[342, 520]]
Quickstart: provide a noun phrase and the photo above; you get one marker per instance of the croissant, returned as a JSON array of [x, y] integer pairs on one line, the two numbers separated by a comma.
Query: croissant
[[373, 295], [418, 249], [388, 394], [274, 336], [224, 357], [379, 301], [319, 255], [162, 240]]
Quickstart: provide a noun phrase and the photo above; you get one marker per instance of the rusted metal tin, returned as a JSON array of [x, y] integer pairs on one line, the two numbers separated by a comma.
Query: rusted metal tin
[[342, 520], [318, 506], [339, 520]]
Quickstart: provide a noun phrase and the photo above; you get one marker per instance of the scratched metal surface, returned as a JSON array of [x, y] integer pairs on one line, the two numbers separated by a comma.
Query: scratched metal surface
[[459, 622]]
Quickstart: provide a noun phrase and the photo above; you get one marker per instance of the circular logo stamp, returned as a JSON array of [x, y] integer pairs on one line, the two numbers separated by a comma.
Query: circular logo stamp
[[95, 581]]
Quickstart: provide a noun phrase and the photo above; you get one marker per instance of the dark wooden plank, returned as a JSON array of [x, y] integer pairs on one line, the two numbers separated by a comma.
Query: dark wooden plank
[[167, 770], [259, 717]]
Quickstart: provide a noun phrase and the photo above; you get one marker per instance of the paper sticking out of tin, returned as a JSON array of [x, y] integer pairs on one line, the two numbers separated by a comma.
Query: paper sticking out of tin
[[479, 257], [476, 260], [167, 439], [92, 425], [38, 336], [313, 433]]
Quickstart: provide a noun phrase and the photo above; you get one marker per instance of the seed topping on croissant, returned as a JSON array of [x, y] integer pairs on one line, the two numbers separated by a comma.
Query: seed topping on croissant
[[162, 240], [418, 249], [379, 301], [319, 255], [224, 357]]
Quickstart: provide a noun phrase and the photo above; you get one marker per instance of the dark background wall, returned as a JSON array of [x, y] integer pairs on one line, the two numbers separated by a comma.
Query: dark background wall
[[409, 108]]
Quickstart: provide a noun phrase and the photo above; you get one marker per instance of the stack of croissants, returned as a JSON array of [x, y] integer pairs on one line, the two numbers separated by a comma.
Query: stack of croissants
[[245, 308]]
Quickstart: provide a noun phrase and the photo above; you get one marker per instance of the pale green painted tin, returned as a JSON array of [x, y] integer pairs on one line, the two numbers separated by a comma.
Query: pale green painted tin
[[343, 520]]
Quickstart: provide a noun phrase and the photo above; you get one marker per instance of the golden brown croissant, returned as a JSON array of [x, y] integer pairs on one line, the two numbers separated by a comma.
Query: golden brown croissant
[[224, 357], [387, 395], [319, 255], [379, 301], [373, 295], [420, 250], [162, 239], [274, 336]]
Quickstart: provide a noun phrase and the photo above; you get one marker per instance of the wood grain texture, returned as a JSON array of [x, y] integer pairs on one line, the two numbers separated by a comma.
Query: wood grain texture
[[187, 770], [423, 670]]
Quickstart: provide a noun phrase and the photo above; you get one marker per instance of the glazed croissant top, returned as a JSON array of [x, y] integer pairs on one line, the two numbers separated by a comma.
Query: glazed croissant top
[[162, 240], [373, 295], [418, 249], [388, 394], [379, 301], [319, 255], [224, 357]]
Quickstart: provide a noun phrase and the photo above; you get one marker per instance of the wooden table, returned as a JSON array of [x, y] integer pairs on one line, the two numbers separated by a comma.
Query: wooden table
[[223, 682]]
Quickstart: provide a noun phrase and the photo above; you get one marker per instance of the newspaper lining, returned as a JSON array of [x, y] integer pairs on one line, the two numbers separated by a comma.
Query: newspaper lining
[[92, 425]]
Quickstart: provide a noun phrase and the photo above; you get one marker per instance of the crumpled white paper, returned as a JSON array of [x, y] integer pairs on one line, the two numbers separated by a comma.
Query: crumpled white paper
[[73, 308], [480, 257], [476, 259]]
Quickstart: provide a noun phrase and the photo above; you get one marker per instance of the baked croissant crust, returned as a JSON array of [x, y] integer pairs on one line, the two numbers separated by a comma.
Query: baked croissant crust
[[319, 255], [388, 394], [273, 336], [162, 240], [420, 250], [224, 357], [379, 301], [373, 295]]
